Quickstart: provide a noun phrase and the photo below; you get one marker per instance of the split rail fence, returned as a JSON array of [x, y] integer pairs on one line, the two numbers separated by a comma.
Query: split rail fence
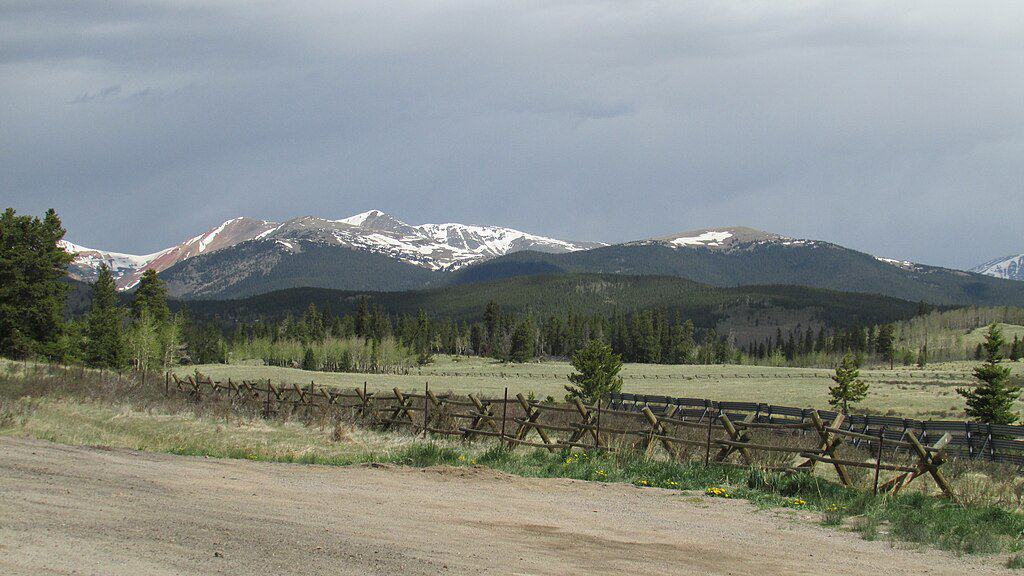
[[993, 442], [714, 432]]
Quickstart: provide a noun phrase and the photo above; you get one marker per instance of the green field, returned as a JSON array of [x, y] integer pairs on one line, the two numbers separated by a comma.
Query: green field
[[912, 392]]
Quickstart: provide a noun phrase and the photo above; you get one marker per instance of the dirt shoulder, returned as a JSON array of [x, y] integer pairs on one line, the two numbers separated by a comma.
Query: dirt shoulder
[[67, 510]]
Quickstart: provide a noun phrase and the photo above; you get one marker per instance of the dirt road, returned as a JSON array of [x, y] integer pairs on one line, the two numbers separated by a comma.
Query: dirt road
[[69, 510]]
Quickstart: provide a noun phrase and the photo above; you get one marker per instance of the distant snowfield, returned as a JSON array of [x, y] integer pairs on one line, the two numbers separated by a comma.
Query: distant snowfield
[[706, 239]]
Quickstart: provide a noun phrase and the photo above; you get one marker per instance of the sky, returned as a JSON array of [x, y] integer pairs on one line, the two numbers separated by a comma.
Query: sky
[[896, 128]]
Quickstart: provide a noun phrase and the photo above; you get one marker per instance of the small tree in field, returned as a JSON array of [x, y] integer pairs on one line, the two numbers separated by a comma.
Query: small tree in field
[[849, 388], [597, 373], [991, 402]]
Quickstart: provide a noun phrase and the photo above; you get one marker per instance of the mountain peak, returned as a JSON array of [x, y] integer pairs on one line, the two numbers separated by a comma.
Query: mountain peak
[[720, 237], [373, 219]]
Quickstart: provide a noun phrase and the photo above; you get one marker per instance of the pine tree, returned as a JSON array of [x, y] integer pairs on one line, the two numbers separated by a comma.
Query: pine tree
[[597, 372], [922, 356], [991, 402], [885, 343], [1015, 350], [105, 345], [308, 360], [849, 388], [32, 296], [523, 338], [151, 296], [422, 339], [492, 318]]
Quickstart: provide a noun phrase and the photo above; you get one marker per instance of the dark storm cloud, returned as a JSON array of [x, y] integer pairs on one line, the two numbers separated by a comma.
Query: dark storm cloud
[[895, 128]]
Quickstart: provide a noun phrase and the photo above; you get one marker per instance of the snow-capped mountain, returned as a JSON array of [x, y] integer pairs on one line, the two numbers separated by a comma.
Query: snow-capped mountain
[[1010, 267], [432, 246], [127, 268]]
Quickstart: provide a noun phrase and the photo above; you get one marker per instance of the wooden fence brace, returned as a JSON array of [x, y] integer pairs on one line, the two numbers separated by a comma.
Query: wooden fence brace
[[657, 431], [827, 447], [878, 458], [587, 424], [738, 437], [504, 413], [532, 414], [426, 409], [597, 433], [929, 460], [483, 416]]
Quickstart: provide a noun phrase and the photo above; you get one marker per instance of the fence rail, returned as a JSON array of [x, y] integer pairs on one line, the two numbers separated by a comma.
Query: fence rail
[[743, 434], [971, 439]]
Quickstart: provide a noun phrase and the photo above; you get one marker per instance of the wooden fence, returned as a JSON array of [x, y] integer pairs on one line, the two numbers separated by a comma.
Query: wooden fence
[[714, 433], [967, 439]]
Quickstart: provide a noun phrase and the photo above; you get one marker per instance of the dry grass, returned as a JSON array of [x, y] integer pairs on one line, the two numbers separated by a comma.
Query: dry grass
[[910, 392]]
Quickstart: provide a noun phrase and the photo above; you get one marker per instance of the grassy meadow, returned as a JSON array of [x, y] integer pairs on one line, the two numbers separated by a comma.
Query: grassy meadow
[[83, 407], [906, 391]]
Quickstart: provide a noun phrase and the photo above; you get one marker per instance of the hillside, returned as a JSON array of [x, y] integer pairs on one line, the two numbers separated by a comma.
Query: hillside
[[748, 310], [261, 266], [760, 261]]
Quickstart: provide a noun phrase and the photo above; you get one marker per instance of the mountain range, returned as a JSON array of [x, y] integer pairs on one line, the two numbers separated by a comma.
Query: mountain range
[[375, 251]]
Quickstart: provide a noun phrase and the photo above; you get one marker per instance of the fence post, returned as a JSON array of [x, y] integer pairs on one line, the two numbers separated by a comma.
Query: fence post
[[878, 457], [426, 409], [707, 445], [504, 414]]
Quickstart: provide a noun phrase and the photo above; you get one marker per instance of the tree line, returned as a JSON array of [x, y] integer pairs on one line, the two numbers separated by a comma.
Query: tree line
[[649, 336], [146, 336]]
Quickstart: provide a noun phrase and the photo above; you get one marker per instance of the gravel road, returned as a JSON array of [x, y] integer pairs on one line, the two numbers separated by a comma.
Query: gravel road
[[76, 510]]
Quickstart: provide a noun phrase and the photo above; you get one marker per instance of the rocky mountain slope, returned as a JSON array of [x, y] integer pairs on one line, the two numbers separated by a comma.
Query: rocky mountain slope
[[1009, 267], [433, 247]]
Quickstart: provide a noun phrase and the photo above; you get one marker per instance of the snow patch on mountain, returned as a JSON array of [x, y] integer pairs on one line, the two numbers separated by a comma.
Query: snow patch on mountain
[[1009, 267], [905, 264], [710, 238], [116, 261], [360, 219]]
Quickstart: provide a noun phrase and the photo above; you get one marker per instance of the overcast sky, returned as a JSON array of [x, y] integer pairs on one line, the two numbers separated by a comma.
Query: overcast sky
[[896, 128]]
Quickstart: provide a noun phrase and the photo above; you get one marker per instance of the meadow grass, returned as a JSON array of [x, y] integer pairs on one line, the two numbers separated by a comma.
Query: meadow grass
[[83, 409], [927, 393]]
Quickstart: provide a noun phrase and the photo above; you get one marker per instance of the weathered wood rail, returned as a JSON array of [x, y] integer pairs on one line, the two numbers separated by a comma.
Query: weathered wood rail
[[786, 443], [966, 439]]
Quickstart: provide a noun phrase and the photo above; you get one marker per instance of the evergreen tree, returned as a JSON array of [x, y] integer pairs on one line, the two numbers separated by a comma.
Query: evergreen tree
[[597, 373], [885, 343], [1015, 350], [151, 296], [363, 321], [105, 345], [849, 388], [492, 319], [523, 339], [421, 341], [308, 360], [32, 296], [922, 356], [991, 402]]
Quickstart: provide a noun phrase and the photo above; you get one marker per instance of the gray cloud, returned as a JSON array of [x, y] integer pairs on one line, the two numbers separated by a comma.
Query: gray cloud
[[891, 127]]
